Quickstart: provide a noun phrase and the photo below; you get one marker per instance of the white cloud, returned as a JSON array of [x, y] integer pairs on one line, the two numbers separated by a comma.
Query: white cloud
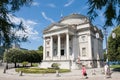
[[29, 27], [52, 5], [47, 18], [69, 3], [35, 4]]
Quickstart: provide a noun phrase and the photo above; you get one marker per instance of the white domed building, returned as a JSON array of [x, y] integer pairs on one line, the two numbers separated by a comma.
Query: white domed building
[[72, 42]]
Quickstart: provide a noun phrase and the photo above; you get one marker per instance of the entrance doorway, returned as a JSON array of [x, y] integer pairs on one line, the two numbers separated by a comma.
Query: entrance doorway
[[62, 52]]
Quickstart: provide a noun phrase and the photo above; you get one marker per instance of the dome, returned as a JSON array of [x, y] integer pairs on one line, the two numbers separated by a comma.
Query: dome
[[74, 16], [73, 19]]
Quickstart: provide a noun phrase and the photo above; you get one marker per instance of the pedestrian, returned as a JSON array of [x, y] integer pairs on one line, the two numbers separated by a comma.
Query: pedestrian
[[84, 73], [107, 71]]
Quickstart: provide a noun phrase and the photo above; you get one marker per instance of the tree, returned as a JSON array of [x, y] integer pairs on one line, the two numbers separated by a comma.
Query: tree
[[34, 57], [105, 55], [8, 7], [114, 45], [18, 56], [1, 52], [111, 10], [40, 52], [13, 55], [40, 48]]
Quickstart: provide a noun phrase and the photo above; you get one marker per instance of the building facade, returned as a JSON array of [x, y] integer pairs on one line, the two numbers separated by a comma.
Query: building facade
[[72, 42]]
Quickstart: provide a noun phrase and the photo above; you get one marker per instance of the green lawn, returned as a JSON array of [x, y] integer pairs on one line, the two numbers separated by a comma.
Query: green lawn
[[40, 70], [115, 66]]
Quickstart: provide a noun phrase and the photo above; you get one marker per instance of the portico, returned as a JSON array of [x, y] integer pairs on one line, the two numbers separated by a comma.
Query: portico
[[57, 47]]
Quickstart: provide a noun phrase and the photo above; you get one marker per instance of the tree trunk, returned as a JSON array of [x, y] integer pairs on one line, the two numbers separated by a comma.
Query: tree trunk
[[15, 64], [31, 64]]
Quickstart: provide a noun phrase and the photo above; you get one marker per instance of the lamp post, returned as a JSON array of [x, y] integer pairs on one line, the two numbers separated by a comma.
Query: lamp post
[[105, 34], [113, 36]]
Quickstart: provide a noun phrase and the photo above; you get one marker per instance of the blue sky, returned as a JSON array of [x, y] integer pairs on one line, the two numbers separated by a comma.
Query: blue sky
[[44, 12]]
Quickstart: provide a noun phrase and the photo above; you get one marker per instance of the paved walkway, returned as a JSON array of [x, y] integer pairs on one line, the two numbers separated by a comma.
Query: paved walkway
[[73, 75]]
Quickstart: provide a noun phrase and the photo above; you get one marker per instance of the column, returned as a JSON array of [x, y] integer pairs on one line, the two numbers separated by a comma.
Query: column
[[91, 49], [59, 46], [51, 47], [98, 55], [67, 45], [44, 53], [90, 45]]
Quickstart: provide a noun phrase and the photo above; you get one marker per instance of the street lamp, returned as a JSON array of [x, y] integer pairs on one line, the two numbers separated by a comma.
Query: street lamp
[[113, 35], [105, 34]]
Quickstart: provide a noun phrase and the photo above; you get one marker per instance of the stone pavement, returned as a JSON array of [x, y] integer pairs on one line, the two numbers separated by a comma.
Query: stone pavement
[[73, 75]]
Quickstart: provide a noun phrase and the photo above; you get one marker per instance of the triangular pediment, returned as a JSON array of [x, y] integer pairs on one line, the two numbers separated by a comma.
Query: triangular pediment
[[54, 26]]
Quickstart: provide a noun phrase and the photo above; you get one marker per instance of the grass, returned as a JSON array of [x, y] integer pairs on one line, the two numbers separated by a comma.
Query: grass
[[40, 70], [35, 65], [115, 67]]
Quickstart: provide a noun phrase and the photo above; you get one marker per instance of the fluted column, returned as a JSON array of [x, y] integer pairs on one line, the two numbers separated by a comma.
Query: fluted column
[[67, 45], [51, 47], [44, 46], [59, 46]]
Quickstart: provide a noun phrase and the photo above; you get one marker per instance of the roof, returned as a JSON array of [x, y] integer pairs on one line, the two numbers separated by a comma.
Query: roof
[[54, 24], [73, 16]]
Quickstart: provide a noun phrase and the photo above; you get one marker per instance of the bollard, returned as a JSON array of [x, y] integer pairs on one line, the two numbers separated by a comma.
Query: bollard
[[21, 73], [57, 73], [93, 72], [4, 70], [102, 71]]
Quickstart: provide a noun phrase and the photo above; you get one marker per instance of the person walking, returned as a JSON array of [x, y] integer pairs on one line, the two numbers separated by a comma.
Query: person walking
[[107, 71], [84, 73]]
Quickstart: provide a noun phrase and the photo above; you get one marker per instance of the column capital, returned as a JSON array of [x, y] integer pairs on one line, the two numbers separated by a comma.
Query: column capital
[[67, 33], [58, 34], [51, 37]]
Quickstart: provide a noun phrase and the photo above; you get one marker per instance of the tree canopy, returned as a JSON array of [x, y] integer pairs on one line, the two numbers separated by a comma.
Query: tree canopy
[[8, 7], [111, 10], [19, 56], [40, 48], [114, 45]]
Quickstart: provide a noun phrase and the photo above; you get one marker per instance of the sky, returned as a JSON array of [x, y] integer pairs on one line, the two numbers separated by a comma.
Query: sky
[[44, 12]]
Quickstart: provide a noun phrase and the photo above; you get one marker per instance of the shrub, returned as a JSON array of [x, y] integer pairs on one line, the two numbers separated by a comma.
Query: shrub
[[55, 65], [40, 70], [25, 63], [35, 65]]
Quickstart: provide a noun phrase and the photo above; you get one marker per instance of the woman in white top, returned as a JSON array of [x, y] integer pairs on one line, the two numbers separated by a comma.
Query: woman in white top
[[107, 70]]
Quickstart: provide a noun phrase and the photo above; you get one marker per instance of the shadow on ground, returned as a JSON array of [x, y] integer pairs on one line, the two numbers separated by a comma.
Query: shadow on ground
[[116, 69]]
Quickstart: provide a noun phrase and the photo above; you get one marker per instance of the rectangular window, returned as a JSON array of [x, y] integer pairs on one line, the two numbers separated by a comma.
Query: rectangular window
[[83, 51]]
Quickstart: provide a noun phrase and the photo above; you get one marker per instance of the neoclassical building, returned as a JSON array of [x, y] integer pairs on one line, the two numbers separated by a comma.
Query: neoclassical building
[[72, 42]]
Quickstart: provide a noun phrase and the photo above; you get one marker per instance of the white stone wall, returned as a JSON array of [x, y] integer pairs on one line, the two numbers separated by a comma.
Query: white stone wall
[[83, 26], [63, 64]]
